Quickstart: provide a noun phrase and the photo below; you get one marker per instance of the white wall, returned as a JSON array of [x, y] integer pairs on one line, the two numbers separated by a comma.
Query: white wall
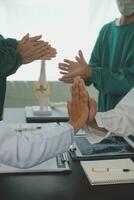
[[69, 25]]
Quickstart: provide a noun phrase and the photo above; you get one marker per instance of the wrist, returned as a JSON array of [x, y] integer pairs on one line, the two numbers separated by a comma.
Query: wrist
[[87, 72], [93, 124], [75, 125]]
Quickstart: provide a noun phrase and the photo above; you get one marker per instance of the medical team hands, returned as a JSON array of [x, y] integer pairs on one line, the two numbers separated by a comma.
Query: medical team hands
[[78, 105], [71, 69], [33, 48], [81, 108]]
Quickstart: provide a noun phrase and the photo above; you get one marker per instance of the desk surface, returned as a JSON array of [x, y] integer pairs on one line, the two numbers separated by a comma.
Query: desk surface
[[19, 115], [72, 186], [57, 115]]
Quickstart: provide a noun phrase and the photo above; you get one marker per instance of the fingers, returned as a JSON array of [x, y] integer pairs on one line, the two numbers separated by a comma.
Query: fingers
[[80, 91], [66, 81], [75, 94], [81, 54], [92, 109], [48, 54], [80, 59], [68, 61], [25, 38], [69, 107], [83, 93], [32, 48], [63, 66], [35, 38], [31, 39]]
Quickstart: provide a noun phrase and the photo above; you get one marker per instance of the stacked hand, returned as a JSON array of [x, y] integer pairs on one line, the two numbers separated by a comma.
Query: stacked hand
[[82, 108], [71, 69], [33, 48], [78, 106]]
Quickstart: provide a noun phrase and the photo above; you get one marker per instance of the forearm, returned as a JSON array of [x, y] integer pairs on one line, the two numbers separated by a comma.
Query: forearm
[[25, 151], [10, 60], [9, 42], [120, 121]]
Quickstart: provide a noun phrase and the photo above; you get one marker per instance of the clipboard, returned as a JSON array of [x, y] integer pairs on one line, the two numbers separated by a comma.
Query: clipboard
[[60, 163], [113, 147]]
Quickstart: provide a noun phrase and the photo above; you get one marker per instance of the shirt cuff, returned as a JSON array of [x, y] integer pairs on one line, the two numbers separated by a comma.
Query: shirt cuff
[[98, 119], [70, 130], [94, 135]]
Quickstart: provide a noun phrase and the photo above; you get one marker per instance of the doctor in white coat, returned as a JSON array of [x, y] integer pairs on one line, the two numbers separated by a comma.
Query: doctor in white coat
[[24, 151]]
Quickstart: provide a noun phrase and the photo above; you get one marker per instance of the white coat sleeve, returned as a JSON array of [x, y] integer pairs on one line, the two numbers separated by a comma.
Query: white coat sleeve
[[24, 151], [120, 120]]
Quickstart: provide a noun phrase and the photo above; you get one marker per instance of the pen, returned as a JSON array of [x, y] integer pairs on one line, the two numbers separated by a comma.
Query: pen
[[94, 169], [27, 129]]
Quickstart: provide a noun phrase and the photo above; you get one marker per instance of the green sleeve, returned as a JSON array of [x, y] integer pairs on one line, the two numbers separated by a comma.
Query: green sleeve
[[10, 60], [96, 53], [106, 81], [8, 42]]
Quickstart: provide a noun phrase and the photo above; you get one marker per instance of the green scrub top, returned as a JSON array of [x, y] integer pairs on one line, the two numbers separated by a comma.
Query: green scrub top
[[10, 60], [112, 62]]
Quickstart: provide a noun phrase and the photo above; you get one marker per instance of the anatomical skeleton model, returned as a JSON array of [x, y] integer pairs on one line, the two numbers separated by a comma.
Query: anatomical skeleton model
[[41, 92]]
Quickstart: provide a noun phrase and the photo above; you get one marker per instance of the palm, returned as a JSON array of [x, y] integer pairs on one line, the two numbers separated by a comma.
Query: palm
[[71, 69]]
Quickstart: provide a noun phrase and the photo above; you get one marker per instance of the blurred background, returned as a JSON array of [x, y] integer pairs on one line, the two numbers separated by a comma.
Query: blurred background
[[69, 25]]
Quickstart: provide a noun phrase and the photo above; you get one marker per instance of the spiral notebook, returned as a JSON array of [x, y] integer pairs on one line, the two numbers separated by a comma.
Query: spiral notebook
[[102, 172]]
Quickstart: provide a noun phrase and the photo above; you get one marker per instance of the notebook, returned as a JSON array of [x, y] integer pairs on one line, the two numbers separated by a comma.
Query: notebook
[[103, 172]]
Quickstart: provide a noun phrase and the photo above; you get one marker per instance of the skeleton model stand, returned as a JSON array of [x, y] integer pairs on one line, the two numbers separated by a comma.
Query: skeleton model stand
[[41, 92]]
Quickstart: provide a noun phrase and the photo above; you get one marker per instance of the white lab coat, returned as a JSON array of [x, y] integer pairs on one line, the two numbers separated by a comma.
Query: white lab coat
[[23, 151], [120, 120]]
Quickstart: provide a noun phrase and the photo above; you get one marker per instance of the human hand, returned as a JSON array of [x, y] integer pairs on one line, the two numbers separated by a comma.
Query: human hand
[[49, 54], [78, 106], [71, 69], [33, 48], [92, 107]]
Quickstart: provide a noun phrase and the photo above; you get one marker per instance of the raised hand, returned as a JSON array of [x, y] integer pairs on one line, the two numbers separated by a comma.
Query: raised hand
[[33, 48], [78, 106], [71, 69]]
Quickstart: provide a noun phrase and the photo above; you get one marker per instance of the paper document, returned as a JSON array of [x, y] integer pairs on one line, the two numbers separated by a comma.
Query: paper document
[[102, 172]]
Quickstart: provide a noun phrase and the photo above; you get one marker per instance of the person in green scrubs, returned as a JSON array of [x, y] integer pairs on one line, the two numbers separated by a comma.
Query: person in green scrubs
[[111, 66], [14, 53]]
